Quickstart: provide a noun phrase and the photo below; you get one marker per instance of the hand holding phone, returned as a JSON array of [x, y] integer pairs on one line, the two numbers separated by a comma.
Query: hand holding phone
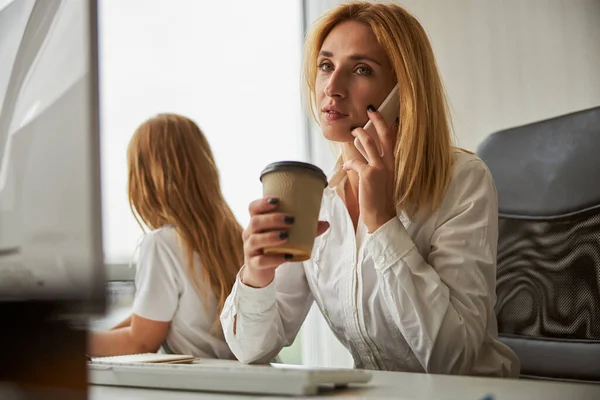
[[389, 109]]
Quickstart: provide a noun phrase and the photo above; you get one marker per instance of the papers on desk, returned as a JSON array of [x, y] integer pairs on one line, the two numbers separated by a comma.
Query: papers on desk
[[153, 358]]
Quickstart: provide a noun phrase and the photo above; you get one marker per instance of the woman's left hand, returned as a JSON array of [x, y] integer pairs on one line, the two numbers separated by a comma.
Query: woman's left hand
[[375, 178]]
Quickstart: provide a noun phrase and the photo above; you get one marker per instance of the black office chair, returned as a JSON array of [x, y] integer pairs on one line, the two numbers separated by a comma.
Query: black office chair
[[548, 282]]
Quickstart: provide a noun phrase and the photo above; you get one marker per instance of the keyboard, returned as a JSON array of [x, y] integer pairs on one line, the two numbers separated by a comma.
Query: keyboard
[[226, 376]]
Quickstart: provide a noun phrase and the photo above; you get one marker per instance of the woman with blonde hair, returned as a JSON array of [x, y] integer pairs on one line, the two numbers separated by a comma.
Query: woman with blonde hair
[[404, 272], [189, 260]]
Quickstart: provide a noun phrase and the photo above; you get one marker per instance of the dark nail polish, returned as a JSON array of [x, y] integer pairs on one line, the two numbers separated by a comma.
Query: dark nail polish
[[289, 220], [273, 201], [283, 235], [398, 120], [288, 256], [371, 108]]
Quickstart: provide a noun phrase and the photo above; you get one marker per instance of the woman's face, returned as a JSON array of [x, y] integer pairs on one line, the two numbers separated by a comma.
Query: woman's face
[[353, 72]]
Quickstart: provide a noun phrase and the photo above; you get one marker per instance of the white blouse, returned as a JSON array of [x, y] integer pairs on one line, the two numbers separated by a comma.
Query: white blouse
[[165, 292], [415, 295]]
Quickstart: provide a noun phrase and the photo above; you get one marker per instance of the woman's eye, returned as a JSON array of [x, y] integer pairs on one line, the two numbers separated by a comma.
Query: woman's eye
[[325, 66], [363, 71]]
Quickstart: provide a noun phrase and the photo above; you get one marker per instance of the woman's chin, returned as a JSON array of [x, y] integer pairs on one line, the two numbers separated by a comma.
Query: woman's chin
[[340, 135]]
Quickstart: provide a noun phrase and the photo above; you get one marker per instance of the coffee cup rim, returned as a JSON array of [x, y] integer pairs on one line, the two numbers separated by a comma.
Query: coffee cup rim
[[294, 165]]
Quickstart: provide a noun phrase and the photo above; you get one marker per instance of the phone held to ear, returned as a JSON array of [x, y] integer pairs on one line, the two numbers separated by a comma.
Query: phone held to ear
[[389, 110]]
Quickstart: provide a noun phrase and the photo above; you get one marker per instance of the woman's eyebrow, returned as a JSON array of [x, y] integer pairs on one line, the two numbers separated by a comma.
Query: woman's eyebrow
[[356, 57]]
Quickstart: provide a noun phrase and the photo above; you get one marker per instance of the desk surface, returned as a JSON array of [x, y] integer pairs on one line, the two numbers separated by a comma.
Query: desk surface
[[396, 385]]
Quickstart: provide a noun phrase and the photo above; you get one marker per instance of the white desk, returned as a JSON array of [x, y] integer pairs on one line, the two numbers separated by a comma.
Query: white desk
[[394, 385]]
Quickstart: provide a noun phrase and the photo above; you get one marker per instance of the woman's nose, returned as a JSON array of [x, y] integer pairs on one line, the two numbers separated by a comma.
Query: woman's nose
[[336, 86]]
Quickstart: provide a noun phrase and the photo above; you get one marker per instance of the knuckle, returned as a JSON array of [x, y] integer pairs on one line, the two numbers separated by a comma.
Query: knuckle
[[253, 224], [254, 207], [253, 243], [248, 245]]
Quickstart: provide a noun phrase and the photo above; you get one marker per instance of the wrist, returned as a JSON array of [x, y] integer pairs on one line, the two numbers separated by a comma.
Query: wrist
[[380, 221], [257, 278]]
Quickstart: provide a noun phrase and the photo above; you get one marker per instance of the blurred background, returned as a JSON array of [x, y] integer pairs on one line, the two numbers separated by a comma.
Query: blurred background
[[504, 63]]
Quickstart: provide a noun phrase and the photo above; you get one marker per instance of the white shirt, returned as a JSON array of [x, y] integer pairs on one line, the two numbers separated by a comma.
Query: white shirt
[[164, 292], [415, 295]]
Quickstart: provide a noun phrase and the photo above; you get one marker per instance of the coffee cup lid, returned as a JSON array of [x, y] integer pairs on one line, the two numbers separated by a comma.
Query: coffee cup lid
[[294, 166]]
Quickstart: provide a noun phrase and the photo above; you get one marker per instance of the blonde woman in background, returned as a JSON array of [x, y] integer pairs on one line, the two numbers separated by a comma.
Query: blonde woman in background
[[189, 259], [405, 270]]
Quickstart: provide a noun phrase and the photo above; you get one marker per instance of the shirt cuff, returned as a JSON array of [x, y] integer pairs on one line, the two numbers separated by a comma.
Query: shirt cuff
[[253, 300], [388, 244]]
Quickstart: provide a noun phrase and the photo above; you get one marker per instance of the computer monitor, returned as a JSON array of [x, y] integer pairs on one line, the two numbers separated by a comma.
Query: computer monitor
[[51, 262], [50, 204]]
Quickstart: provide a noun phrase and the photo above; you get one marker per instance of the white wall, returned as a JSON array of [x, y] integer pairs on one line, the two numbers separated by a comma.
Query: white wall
[[504, 63], [511, 62]]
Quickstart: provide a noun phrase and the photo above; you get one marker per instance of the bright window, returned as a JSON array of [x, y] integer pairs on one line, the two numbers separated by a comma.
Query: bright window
[[230, 66]]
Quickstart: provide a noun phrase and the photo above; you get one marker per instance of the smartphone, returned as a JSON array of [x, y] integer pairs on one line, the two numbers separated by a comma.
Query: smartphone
[[389, 109]]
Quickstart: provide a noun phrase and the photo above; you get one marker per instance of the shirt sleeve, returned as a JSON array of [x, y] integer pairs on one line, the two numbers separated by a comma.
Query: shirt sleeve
[[259, 322], [157, 293], [441, 304]]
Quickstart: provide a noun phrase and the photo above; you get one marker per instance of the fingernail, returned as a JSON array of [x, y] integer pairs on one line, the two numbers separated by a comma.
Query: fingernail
[[289, 219], [273, 201], [371, 108], [288, 256], [283, 235], [398, 120]]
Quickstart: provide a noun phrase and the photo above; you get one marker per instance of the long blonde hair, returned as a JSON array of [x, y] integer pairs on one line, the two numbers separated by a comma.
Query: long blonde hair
[[173, 180], [424, 144]]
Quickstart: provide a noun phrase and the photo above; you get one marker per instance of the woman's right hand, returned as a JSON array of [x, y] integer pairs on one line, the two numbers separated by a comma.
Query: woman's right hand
[[267, 228]]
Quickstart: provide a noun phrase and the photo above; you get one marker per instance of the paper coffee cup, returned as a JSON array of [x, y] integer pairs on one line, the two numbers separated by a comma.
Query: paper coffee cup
[[299, 187]]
